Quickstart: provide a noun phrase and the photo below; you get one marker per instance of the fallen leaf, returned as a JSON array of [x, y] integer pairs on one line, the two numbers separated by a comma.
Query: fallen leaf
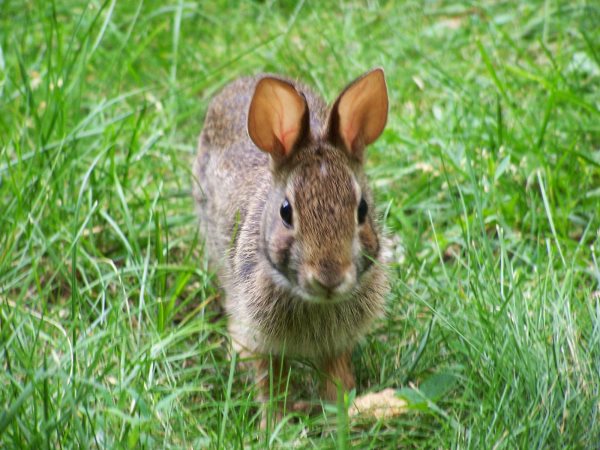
[[378, 405]]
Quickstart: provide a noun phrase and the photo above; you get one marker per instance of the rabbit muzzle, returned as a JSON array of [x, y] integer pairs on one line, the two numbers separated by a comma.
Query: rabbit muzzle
[[327, 281]]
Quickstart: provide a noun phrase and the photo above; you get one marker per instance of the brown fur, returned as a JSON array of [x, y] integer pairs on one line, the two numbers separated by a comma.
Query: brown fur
[[268, 270]]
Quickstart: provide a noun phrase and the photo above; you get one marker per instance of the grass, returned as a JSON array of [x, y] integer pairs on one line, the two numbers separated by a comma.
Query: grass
[[488, 175]]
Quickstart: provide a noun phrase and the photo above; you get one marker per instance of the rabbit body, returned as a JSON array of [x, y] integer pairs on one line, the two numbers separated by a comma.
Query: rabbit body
[[312, 287]]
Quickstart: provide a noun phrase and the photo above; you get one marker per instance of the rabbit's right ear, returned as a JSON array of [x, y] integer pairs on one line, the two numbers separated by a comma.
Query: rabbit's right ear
[[278, 118], [359, 114]]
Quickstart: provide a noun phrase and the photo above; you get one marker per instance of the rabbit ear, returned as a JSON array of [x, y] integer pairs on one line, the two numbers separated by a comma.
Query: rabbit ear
[[359, 114], [278, 117]]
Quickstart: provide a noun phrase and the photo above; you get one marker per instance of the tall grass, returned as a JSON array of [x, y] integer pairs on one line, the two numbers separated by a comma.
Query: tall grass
[[488, 177]]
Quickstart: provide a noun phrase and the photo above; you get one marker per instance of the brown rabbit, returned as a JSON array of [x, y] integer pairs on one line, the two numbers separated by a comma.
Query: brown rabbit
[[289, 222]]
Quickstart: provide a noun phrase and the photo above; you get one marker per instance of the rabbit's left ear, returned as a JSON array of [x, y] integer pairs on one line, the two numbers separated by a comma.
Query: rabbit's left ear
[[359, 114], [278, 118]]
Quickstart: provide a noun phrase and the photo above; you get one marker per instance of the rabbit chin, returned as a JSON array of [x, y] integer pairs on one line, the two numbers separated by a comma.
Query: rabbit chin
[[323, 299]]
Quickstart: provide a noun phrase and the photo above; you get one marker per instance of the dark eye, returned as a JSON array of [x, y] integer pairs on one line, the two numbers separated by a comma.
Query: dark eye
[[363, 208], [286, 212]]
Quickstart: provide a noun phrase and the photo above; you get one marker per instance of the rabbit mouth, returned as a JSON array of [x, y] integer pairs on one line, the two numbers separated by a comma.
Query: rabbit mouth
[[320, 298], [325, 299], [307, 287], [313, 291]]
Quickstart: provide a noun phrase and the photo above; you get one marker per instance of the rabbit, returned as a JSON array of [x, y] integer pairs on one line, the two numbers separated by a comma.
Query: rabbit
[[289, 221]]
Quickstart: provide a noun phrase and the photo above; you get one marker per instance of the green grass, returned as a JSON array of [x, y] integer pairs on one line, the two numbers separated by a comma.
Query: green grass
[[488, 174]]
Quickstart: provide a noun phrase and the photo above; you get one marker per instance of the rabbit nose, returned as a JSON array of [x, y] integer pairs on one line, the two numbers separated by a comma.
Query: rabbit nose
[[324, 283], [329, 279]]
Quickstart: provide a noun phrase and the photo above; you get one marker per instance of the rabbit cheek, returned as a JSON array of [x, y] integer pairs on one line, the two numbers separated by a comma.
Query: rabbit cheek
[[279, 249], [369, 244]]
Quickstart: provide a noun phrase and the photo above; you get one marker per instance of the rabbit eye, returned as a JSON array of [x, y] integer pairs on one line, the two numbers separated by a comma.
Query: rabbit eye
[[363, 208], [286, 213]]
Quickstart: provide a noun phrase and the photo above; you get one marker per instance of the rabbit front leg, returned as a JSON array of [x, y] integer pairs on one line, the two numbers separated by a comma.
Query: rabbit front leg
[[337, 370]]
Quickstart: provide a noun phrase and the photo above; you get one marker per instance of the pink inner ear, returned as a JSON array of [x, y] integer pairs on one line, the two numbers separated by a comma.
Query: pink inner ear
[[288, 108], [276, 117], [362, 110], [287, 137], [352, 112], [349, 131]]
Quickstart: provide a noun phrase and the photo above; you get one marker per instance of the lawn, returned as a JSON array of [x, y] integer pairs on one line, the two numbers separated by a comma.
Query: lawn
[[487, 178]]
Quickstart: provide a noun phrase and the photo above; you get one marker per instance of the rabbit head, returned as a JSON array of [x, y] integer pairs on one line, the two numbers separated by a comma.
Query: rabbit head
[[318, 231]]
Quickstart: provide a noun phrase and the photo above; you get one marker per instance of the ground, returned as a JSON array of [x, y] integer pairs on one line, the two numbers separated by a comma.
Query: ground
[[487, 178]]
